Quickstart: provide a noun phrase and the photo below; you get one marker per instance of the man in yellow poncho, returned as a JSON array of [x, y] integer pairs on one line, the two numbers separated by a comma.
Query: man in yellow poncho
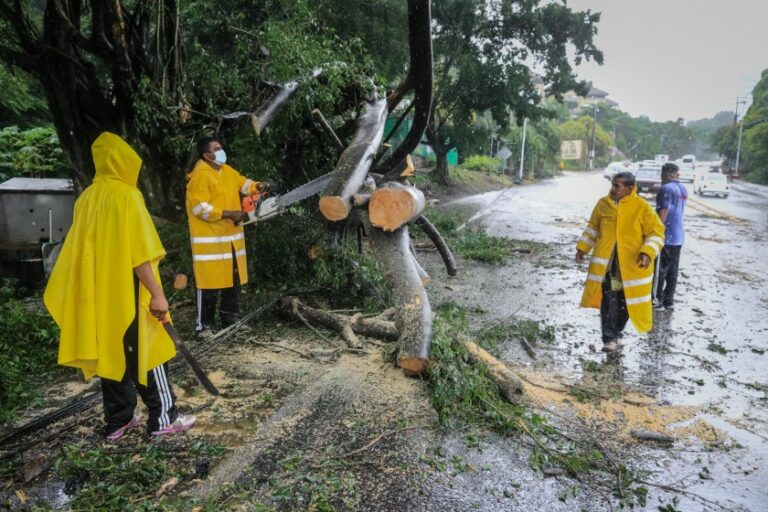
[[218, 242], [105, 295], [625, 235]]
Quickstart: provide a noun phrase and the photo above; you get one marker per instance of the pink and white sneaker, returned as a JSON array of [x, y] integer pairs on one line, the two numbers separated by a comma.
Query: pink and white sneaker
[[182, 423], [117, 434]]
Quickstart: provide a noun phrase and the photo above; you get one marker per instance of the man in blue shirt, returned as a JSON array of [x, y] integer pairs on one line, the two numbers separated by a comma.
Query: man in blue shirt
[[670, 205]]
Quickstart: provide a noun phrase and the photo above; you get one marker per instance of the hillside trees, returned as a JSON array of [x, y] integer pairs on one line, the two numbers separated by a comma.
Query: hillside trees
[[134, 68], [482, 51]]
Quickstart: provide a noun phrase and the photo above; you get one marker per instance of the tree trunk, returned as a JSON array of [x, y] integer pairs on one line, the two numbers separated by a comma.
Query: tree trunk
[[355, 162], [413, 314]]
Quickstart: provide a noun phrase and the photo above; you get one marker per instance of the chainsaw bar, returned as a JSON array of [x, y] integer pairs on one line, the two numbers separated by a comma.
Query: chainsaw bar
[[276, 205]]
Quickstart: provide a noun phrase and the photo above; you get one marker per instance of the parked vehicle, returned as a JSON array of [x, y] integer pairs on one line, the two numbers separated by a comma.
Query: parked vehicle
[[648, 179], [712, 183], [616, 167], [689, 159], [661, 159]]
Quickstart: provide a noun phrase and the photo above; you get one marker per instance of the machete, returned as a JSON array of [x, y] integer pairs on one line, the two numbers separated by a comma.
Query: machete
[[196, 368], [259, 209]]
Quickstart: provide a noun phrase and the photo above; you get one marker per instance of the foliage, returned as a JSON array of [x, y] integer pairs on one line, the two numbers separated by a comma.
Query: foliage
[[482, 55], [100, 480], [471, 242], [754, 146], [529, 330], [33, 153], [22, 102], [482, 163], [461, 392], [28, 346]]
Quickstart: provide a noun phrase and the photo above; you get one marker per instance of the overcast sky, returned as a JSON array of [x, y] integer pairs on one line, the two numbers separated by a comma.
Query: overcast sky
[[678, 58]]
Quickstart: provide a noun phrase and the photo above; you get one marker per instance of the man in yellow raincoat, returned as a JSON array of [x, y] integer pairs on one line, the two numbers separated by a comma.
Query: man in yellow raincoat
[[624, 235], [105, 295], [218, 242]]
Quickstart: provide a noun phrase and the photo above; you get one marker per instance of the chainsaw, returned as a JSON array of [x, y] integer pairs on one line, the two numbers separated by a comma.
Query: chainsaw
[[260, 207]]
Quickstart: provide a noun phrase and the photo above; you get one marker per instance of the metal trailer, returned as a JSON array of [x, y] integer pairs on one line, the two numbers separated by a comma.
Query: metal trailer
[[35, 216]]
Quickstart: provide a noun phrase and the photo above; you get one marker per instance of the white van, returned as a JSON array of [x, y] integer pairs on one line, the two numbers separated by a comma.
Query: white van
[[711, 183], [689, 159]]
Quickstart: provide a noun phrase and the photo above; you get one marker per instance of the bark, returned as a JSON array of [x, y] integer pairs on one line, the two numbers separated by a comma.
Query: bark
[[413, 313], [510, 387], [419, 77], [355, 162], [441, 154], [442, 246], [394, 205]]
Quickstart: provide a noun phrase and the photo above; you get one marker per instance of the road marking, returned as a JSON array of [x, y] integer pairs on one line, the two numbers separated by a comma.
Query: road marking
[[719, 212]]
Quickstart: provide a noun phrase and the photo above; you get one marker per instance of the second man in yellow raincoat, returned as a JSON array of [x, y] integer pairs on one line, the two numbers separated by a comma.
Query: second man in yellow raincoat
[[624, 235], [218, 242]]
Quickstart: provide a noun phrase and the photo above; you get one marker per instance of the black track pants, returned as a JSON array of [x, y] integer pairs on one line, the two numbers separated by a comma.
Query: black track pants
[[613, 312], [120, 396]]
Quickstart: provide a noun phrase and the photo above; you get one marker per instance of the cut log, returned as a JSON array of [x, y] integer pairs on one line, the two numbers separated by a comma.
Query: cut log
[[355, 162], [510, 387], [442, 246], [327, 128], [393, 205], [413, 313]]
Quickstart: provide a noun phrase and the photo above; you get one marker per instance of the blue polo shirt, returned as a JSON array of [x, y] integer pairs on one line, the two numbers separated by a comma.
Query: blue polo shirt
[[673, 196]]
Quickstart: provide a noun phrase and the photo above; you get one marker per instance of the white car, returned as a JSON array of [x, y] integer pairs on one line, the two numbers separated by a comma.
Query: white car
[[686, 172], [616, 167], [712, 183]]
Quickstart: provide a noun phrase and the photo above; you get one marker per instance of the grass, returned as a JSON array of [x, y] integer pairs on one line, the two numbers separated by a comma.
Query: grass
[[472, 242]]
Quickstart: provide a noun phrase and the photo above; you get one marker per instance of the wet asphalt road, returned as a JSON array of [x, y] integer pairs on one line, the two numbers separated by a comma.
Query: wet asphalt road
[[711, 352]]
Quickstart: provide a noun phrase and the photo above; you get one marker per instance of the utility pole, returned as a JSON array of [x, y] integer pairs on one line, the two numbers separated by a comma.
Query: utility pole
[[522, 151], [741, 130], [592, 150]]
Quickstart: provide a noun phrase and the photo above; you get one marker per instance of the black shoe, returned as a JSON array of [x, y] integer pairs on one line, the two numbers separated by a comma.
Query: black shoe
[[669, 306]]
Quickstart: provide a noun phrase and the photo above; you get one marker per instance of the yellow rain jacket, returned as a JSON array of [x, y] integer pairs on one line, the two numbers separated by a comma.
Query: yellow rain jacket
[[90, 293], [214, 239], [633, 228]]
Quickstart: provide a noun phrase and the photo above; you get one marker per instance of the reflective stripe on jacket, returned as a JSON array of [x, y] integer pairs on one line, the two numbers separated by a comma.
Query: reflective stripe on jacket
[[214, 239], [633, 228]]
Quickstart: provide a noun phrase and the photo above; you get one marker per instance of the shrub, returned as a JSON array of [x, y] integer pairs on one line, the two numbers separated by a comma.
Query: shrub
[[32, 153], [482, 164]]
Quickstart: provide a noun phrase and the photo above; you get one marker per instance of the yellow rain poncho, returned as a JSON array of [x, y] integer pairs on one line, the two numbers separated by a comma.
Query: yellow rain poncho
[[633, 228], [91, 293]]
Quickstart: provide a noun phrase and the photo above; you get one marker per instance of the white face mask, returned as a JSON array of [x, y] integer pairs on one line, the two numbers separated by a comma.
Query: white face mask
[[220, 157]]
